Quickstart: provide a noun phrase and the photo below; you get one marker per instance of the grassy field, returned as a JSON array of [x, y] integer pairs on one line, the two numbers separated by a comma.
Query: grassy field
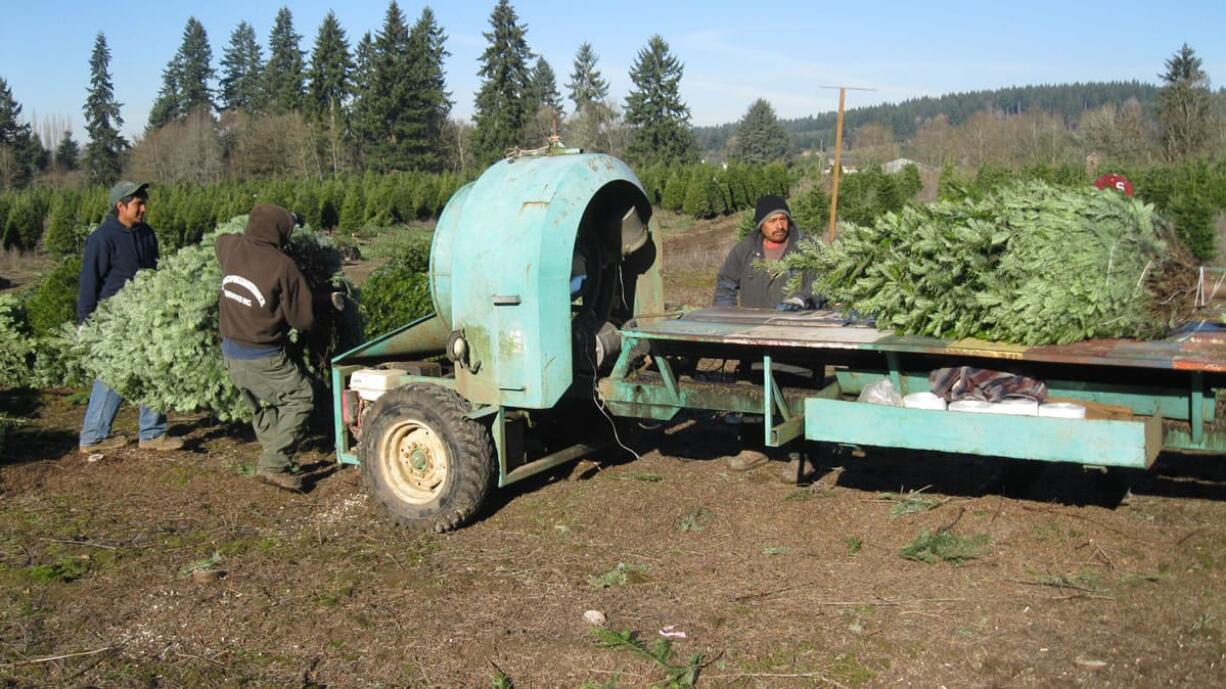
[[137, 569]]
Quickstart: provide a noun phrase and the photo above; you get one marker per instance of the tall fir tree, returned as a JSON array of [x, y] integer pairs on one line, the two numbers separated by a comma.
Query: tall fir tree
[[429, 103], [361, 124], [499, 112], [104, 152], [586, 85], [20, 150], [67, 153], [328, 79], [660, 121], [542, 104], [543, 89], [283, 75], [196, 68], [328, 85], [166, 107], [760, 139], [389, 94], [185, 81], [1184, 104], [242, 72]]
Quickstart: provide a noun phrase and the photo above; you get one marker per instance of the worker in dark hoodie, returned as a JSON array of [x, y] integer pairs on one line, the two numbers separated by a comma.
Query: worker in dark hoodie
[[263, 296], [120, 246]]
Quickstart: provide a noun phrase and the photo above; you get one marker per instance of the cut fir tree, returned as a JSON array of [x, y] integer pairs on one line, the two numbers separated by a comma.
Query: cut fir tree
[[1029, 264]]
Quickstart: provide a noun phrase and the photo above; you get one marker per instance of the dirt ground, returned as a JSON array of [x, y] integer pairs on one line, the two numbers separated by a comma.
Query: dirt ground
[[1068, 577]]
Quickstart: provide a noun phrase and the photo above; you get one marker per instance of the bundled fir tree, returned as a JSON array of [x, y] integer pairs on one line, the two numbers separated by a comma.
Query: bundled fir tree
[[1028, 264], [157, 343]]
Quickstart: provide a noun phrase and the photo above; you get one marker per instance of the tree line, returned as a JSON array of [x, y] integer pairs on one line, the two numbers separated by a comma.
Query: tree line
[[379, 105]]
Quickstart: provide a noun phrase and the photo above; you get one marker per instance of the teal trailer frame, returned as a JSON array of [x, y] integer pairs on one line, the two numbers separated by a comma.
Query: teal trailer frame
[[1167, 386]]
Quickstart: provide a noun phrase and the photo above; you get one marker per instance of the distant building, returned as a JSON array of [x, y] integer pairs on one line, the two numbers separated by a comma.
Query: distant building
[[898, 164]]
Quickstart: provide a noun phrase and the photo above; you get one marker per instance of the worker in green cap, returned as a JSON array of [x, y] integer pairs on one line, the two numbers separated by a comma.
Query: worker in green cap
[[114, 252]]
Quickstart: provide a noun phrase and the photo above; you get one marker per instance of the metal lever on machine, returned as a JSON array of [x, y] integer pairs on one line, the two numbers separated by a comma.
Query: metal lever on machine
[[458, 352]]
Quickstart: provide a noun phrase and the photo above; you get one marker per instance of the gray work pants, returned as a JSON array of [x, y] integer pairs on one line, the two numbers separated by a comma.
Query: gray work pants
[[280, 398]]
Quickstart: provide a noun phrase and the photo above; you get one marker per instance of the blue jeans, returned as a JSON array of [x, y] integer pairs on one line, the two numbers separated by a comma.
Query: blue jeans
[[104, 405]]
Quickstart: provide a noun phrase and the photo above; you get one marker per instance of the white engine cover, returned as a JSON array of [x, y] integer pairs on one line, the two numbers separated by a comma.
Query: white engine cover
[[371, 383]]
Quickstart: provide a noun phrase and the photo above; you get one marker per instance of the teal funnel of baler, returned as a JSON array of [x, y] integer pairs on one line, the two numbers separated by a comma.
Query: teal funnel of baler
[[507, 249]]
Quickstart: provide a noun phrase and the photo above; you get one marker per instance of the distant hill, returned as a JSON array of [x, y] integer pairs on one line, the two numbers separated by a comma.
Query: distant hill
[[1069, 100]]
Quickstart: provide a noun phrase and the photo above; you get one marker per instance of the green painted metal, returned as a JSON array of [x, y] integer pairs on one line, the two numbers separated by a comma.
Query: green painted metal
[[1104, 443], [1167, 402], [340, 434], [500, 269], [1212, 441], [893, 362], [1196, 402], [827, 331], [550, 461], [791, 424], [417, 339]]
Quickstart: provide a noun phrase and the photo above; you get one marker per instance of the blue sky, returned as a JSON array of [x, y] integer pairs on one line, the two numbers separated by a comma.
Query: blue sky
[[733, 52]]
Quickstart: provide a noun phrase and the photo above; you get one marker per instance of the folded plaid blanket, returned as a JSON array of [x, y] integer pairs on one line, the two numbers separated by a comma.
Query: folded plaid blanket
[[969, 383]]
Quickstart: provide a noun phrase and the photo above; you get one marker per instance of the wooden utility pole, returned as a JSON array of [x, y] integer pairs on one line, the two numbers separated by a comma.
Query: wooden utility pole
[[837, 169]]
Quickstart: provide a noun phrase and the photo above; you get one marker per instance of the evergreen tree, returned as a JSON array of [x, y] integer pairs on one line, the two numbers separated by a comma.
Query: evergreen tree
[[361, 122], [543, 89], [586, 85], [67, 153], [542, 103], [185, 81], [329, 84], [103, 153], [500, 109], [166, 107], [283, 76], [19, 148], [659, 119], [429, 103], [196, 69], [242, 65], [760, 139], [331, 67], [389, 94], [1184, 103]]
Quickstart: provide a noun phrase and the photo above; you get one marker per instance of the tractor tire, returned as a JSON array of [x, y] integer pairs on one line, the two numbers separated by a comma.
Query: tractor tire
[[424, 460]]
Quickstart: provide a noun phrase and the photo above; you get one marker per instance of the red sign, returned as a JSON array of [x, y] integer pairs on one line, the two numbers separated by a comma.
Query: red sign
[[1117, 182]]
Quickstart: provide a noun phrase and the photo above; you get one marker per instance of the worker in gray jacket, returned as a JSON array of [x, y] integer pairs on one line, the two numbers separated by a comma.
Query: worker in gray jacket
[[744, 277]]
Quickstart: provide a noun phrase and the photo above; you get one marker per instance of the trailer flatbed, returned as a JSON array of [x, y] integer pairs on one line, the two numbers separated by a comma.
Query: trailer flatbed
[[1167, 386]]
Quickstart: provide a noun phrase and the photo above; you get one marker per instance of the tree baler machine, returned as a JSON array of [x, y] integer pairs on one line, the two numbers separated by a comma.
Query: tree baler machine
[[549, 331]]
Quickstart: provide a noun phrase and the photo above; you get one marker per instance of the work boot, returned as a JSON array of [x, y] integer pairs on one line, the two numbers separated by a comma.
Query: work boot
[[285, 480], [162, 443], [112, 442], [746, 460]]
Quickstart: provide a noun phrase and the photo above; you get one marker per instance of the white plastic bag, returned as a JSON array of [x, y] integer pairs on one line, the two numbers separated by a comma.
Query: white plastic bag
[[881, 392]]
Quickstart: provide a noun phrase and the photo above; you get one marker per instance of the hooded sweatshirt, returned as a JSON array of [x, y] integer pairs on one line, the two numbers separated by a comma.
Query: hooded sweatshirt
[[113, 254], [263, 294]]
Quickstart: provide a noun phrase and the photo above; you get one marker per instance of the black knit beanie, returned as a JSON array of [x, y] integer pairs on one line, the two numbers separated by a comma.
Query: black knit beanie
[[769, 205]]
